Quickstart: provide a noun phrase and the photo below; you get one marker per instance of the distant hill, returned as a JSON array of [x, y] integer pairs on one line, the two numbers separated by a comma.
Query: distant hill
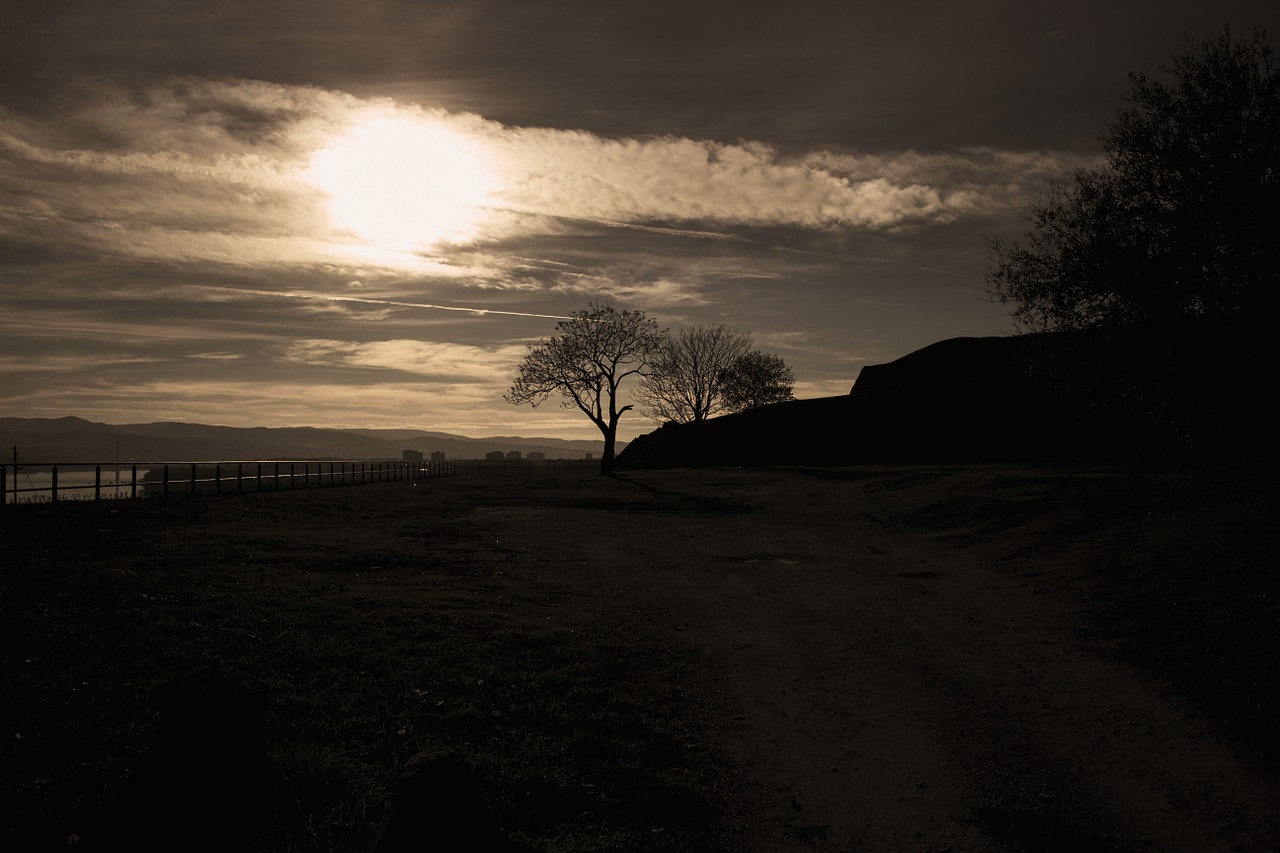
[[73, 439], [1189, 390]]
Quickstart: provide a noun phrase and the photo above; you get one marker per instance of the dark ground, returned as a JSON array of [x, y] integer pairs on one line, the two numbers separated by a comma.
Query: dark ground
[[879, 658]]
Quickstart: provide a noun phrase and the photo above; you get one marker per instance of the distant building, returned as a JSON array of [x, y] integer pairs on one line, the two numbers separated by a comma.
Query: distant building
[[495, 456], [437, 456], [411, 455], [514, 454], [589, 455], [535, 456]]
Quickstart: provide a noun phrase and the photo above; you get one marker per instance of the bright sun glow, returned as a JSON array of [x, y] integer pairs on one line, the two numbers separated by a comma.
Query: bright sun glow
[[400, 182]]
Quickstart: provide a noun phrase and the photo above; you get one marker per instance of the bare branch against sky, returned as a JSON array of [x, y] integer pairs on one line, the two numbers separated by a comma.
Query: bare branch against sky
[[315, 212]]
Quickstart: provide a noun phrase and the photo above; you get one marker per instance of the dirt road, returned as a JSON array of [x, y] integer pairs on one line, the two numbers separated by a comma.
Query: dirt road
[[900, 693]]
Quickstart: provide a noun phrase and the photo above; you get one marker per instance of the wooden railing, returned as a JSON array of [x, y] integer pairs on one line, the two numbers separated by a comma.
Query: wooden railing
[[86, 481]]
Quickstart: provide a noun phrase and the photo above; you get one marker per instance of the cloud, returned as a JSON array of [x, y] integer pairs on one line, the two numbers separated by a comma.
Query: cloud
[[221, 172], [70, 364], [670, 179], [217, 356], [440, 361]]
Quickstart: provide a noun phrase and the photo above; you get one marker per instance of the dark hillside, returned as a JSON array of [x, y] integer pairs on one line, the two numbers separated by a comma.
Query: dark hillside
[[1189, 390]]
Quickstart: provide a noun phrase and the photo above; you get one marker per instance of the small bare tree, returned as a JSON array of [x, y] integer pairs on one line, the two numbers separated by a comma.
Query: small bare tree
[[684, 379], [586, 363]]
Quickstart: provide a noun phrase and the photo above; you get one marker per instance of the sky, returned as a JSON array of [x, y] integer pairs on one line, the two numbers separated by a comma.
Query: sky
[[359, 213]]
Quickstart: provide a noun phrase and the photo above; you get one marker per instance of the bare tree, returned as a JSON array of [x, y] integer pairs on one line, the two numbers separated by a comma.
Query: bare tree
[[683, 383], [757, 379], [586, 363]]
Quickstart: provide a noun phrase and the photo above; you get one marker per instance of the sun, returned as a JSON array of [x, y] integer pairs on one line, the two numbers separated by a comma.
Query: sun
[[404, 182]]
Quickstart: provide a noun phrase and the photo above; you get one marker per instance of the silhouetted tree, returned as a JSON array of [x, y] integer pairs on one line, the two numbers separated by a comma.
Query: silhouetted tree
[[686, 374], [586, 363], [756, 379], [1174, 226]]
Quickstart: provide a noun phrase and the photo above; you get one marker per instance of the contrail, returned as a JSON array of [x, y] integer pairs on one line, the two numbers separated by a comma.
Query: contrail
[[655, 229], [685, 232], [367, 301], [615, 223]]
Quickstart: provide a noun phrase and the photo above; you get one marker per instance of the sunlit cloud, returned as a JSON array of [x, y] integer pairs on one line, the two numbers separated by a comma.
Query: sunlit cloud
[[613, 182], [251, 173], [663, 293], [455, 362], [404, 180], [217, 356]]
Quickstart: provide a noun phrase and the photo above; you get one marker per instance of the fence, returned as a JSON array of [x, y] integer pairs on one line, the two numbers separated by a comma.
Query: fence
[[84, 481]]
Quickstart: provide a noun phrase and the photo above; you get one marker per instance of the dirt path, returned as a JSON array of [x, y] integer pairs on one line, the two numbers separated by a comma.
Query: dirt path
[[899, 694]]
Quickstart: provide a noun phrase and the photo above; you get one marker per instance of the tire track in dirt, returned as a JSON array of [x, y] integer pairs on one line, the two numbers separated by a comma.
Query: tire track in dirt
[[897, 694]]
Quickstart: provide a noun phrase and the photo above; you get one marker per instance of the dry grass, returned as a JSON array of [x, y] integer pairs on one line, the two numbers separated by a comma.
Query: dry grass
[[395, 620], [388, 628]]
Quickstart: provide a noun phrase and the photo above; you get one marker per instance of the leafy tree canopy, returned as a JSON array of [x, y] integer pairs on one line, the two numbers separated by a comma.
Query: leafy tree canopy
[[757, 379], [1178, 222]]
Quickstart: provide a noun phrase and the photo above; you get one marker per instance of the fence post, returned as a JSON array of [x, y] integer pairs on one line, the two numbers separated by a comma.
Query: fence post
[[97, 483], [4, 484], [166, 480], [133, 483], [239, 476], [53, 486], [193, 478], [217, 478]]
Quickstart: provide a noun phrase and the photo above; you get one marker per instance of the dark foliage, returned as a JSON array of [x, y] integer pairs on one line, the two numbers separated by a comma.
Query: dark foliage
[[756, 379], [1174, 225]]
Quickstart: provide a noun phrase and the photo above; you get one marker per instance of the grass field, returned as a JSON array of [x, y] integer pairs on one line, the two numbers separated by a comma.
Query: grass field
[[562, 642]]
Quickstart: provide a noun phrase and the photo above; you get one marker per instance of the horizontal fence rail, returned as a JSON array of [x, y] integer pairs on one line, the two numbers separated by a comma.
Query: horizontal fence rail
[[38, 482]]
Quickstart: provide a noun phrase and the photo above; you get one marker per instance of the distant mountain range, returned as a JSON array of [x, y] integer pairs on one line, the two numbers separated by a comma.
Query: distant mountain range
[[74, 439]]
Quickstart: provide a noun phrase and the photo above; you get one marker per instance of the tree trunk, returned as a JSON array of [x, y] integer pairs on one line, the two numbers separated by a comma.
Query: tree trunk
[[610, 440]]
